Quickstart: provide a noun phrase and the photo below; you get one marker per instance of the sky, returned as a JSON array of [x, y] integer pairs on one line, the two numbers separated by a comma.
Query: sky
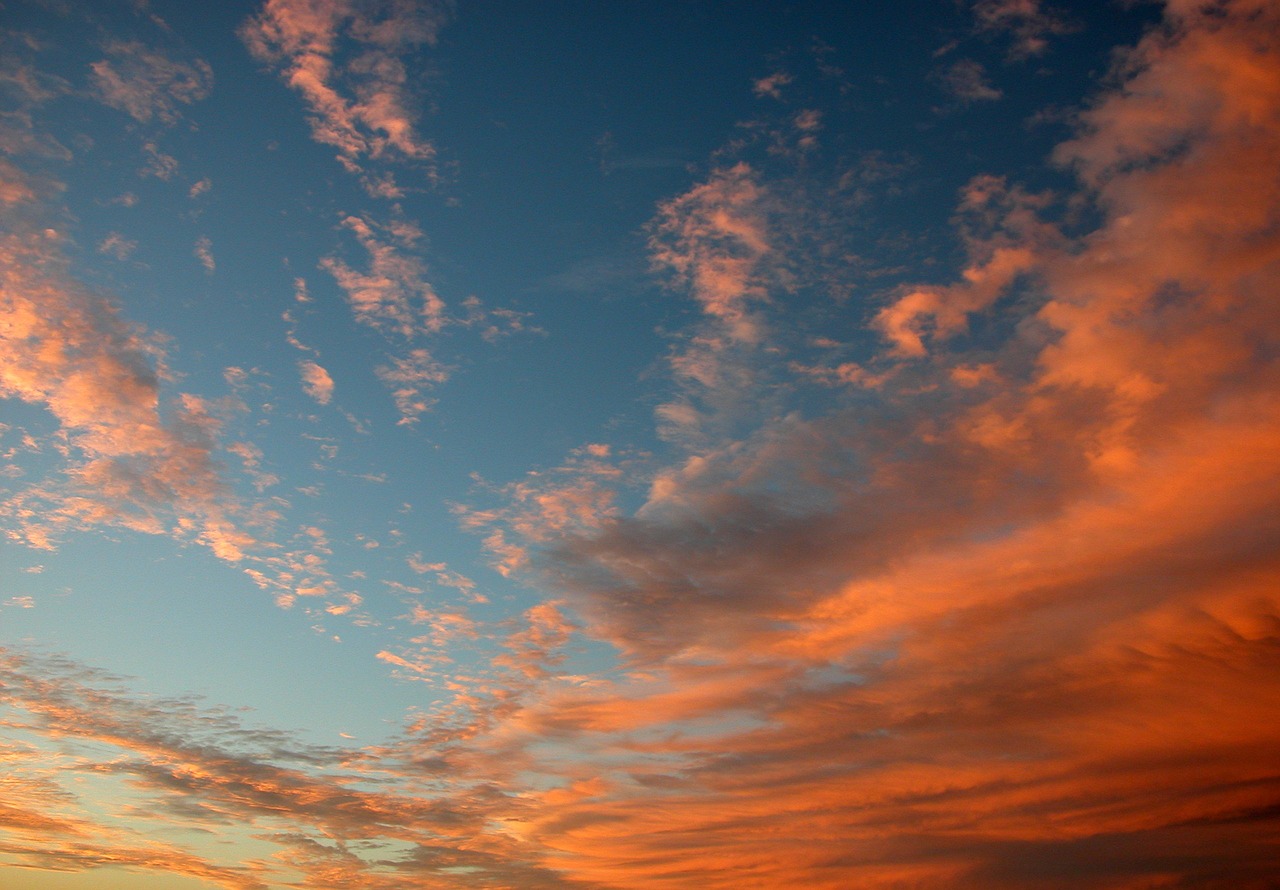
[[486, 444]]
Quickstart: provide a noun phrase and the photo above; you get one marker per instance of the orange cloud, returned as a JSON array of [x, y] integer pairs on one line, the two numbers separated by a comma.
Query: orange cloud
[[70, 351], [316, 381], [978, 635], [304, 36], [394, 294], [1007, 620], [714, 239]]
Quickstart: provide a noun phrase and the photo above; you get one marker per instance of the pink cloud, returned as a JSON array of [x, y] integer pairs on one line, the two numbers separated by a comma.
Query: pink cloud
[[393, 295], [316, 381], [146, 83], [714, 238], [204, 253], [408, 376], [375, 119], [132, 457], [772, 85]]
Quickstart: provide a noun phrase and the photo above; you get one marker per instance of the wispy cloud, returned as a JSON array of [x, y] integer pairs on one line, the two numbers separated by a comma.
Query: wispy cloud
[[146, 83], [408, 376], [394, 294], [118, 246], [362, 102], [1030, 24], [967, 81], [328, 813], [204, 253]]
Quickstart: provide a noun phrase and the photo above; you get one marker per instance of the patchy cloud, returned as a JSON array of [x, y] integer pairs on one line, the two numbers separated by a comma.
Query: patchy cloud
[[361, 102], [972, 588], [772, 85], [118, 246], [713, 239], [394, 294], [408, 376], [147, 84], [1029, 23], [133, 457]]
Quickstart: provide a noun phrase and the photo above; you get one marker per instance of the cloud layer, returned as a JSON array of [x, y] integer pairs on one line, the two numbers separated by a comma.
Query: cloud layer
[[992, 606]]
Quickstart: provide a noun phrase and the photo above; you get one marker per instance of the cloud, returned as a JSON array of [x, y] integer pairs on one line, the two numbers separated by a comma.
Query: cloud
[[1029, 22], [393, 295], [373, 119], [160, 165], [998, 611], [145, 83], [204, 253], [118, 246], [132, 458], [714, 239], [330, 814], [407, 376], [1008, 615], [316, 381], [967, 81], [772, 85]]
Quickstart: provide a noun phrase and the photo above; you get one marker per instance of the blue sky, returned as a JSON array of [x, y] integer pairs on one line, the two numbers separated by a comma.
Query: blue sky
[[637, 445]]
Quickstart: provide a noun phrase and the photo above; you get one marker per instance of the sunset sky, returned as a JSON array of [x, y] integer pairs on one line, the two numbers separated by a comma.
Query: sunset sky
[[611, 445]]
